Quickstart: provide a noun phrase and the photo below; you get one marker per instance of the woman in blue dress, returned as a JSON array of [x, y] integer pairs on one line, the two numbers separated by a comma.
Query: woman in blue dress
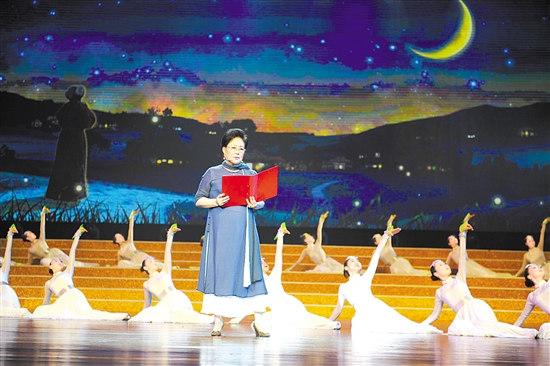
[[231, 265]]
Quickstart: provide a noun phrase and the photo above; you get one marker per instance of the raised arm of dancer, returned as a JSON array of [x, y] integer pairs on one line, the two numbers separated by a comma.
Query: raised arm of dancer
[[302, 257], [540, 245], [464, 227], [168, 251], [30, 256], [319, 239], [47, 294], [339, 305], [278, 265], [147, 298], [449, 259], [529, 306], [45, 210], [7, 254], [524, 263], [130, 237], [373, 264], [389, 226], [72, 254], [436, 312]]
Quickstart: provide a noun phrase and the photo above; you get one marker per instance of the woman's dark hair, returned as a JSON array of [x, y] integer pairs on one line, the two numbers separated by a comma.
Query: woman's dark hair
[[432, 270], [528, 282], [346, 273], [453, 235], [434, 277], [142, 268], [114, 239], [24, 237], [50, 271], [233, 133]]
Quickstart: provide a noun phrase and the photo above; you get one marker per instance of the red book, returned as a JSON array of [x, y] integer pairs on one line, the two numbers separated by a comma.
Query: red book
[[261, 186]]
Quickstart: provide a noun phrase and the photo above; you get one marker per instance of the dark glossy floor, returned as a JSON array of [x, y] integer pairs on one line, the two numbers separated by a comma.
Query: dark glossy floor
[[62, 342]]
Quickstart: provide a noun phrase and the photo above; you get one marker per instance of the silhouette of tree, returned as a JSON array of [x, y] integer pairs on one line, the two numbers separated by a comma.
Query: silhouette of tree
[[153, 111], [167, 112]]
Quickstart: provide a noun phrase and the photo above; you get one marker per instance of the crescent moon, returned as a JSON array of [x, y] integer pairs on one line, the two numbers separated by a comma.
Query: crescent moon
[[458, 43]]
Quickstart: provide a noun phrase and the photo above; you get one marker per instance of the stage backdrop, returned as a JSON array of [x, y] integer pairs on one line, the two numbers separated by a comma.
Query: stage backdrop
[[426, 109]]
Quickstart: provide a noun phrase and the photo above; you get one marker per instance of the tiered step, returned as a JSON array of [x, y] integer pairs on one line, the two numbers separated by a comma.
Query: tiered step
[[115, 289]]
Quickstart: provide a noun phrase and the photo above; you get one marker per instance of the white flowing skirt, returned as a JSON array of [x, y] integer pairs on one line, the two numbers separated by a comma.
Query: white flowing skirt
[[544, 331], [175, 307], [375, 316], [9, 304], [233, 306], [477, 319], [74, 305], [289, 312]]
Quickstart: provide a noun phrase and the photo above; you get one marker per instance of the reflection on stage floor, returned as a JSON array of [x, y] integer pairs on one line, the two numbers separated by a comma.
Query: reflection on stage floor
[[64, 342]]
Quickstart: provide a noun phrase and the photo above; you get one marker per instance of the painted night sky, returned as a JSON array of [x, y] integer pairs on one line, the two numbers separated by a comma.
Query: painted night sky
[[278, 63], [422, 108]]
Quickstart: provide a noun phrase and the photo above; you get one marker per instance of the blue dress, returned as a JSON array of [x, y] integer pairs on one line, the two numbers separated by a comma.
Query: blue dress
[[231, 263]]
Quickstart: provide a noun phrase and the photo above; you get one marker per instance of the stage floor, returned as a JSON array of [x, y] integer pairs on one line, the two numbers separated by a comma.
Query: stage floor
[[70, 342]]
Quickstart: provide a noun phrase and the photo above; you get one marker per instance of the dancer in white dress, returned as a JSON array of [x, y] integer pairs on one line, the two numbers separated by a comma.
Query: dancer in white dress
[[474, 317], [9, 302], [534, 276], [473, 268], [71, 302], [39, 249], [128, 255], [535, 254], [316, 253], [372, 315], [174, 306], [398, 265], [286, 310]]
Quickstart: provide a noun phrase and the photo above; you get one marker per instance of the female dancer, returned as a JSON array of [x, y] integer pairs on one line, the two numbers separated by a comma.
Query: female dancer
[[535, 254], [534, 276], [230, 274], [286, 310], [372, 315], [173, 306], [473, 268], [71, 302], [9, 302], [316, 253], [39, 249], [128, 255], [398, 265], [474, 317]]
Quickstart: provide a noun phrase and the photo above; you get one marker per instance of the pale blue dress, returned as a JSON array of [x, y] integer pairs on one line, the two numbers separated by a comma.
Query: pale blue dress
[[230, 274]]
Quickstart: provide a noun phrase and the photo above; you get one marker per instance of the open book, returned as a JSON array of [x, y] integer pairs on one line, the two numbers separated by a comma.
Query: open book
[[261, 186]]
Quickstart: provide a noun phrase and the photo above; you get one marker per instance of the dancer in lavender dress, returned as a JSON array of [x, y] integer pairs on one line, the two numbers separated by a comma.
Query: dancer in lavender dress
[[71, 302], [173, 306], [474, 317], [372, 315], [9, 302], [534, 276]]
